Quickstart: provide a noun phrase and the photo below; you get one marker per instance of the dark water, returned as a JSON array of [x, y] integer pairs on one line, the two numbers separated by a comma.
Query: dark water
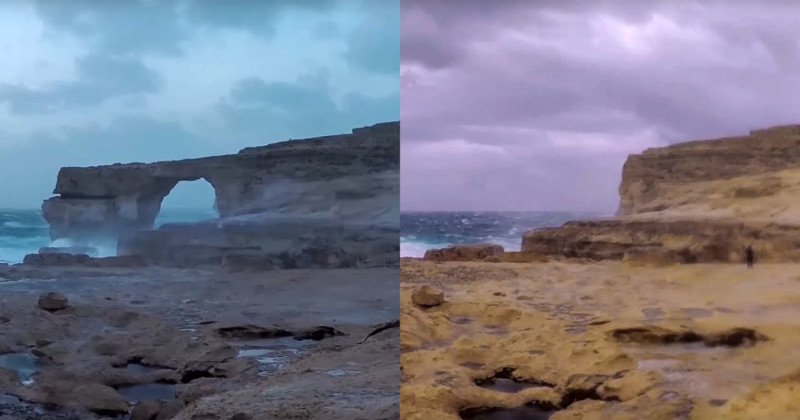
[[136, 393], [527, 412], [422, 231], [23, 232]]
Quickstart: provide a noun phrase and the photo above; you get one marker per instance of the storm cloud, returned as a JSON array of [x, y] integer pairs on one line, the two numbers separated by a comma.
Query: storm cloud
[[87, 83], [534, 105]]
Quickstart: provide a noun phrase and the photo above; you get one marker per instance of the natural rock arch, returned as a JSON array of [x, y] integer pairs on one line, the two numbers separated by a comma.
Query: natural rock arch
[[326, 201]]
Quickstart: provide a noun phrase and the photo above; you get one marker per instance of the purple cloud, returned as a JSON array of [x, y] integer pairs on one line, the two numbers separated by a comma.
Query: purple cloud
[[534, 105]]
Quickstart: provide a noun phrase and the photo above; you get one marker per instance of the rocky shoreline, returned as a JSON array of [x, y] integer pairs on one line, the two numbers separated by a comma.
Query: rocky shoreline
[[283, 307], [651, 313], [191, 337]]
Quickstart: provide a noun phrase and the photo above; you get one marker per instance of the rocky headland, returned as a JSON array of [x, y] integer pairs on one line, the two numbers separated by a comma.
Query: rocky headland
[[283, 307], [651, 313], [325, 202]]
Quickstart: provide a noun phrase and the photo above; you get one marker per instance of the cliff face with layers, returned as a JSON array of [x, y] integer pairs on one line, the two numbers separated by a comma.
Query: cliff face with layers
[[327, 201], [711, 174], [701, 201]]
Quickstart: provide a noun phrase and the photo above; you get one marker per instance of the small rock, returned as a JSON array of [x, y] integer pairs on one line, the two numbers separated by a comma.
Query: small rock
[[52, 301], [146, 410], [428, 296]]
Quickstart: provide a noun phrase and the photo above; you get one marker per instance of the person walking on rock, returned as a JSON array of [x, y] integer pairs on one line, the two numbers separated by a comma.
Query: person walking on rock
[[750, 256]]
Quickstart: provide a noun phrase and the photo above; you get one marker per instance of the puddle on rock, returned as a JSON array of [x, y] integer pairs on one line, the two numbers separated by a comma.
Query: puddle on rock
[[272, 354], [341, 372], [156, 391], [505, 385], [526, 412], [504, 381], [23, 364], [462, 320], [696, 370]]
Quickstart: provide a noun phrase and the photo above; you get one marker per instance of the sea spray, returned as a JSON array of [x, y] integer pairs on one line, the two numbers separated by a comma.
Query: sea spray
[[24, 232]]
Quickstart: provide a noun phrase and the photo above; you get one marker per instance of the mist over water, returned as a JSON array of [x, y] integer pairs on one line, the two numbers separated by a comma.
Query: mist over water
[[420, 231], [23, 232]]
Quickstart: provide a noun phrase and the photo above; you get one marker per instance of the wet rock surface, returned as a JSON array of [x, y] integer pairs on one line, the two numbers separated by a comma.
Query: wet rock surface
[[188, 343]]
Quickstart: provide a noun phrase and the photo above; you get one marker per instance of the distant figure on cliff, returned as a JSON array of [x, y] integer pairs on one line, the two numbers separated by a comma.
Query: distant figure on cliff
[[750, 256]]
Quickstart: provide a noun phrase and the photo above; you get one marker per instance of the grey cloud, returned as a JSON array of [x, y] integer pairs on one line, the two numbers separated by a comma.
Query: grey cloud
[[257, 17], [130, 26], [304, 108], [554, 81], [127, 139], [371, 46], [100, 77]]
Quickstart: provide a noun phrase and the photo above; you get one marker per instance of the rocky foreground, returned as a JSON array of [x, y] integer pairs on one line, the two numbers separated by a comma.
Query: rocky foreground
[[284, 307], [600, 340], [649, 314], [164, 343]]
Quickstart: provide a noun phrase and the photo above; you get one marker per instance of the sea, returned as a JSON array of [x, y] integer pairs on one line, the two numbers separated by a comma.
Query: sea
[[23, 232], [420, 231]]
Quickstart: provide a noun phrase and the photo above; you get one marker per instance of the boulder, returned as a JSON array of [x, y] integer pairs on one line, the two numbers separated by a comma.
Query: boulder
[[53, 301], [91, 396], [476, 252], [427, 296]]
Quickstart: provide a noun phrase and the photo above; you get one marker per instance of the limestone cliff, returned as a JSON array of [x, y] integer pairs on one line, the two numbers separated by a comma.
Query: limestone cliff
[[701, 201], [333, 200], [706, 175]]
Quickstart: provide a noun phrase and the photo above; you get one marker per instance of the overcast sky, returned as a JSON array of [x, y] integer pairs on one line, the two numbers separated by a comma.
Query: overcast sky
[[89, 82], [534, 105]]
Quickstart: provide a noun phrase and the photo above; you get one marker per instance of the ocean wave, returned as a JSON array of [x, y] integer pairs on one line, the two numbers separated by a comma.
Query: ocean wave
[[13, 224]]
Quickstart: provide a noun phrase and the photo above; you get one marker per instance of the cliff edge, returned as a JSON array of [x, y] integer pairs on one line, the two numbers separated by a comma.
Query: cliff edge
[[700, 201]]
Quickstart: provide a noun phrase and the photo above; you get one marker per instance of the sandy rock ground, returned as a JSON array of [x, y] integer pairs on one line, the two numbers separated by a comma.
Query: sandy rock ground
[[135, 335], [601, 340]]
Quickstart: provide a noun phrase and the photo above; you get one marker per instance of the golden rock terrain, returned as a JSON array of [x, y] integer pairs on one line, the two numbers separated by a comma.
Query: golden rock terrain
[[651, 314]]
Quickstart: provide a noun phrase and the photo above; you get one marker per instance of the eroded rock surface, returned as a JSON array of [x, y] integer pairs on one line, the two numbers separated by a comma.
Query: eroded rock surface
[[203, 342], [600, 340]]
